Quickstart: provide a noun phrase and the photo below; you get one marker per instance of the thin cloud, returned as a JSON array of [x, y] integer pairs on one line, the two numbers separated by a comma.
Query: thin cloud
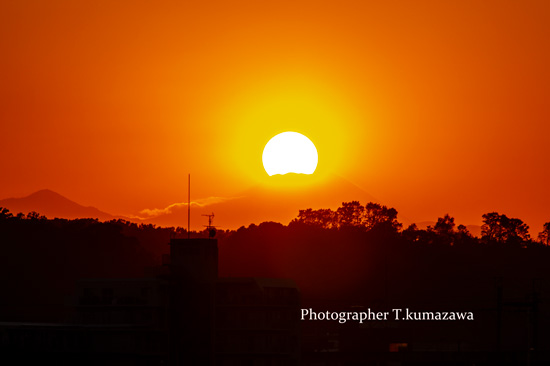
[[155, 212]]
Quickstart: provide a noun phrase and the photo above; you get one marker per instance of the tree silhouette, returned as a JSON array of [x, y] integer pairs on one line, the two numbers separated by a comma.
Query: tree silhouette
[[411, 233], [445, 225], [325, 218], [544, 235], [5, 213], [33, 215], [464, 237], [350, 214], [501, 229], [444, 230], [376, 214]]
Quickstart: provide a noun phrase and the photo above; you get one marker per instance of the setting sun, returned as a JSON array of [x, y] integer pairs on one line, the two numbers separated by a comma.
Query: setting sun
[[289, 152]]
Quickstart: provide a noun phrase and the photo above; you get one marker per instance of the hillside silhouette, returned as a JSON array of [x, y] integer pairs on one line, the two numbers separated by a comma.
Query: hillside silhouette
[[278, 200], [53, 205]]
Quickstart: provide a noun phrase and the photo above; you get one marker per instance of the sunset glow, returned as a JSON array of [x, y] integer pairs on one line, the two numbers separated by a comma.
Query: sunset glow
[[113, 104]]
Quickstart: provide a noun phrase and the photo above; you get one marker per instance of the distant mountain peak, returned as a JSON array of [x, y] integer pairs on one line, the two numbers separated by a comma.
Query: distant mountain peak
[[44, 191], [279, 198], [52, 205]]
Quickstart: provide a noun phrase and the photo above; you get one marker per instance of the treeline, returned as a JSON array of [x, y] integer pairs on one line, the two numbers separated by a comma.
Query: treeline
[[41, 258], [153, 239], [496, 229], [354, 251]]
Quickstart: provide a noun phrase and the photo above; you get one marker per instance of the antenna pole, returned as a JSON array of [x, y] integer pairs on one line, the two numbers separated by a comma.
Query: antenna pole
[[188, 206]]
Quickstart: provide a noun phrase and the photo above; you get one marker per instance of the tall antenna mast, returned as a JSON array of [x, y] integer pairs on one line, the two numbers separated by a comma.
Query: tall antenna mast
[[210, 228], [188, 206]]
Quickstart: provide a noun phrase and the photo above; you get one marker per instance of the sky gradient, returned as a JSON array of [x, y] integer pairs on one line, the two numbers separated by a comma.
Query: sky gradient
[[432, 107]]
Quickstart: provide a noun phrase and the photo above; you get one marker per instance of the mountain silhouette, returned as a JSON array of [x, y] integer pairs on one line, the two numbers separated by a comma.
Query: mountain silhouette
[[278, 199], [52, 205]]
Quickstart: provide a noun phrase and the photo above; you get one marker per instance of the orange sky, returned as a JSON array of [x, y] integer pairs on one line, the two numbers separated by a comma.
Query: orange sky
[[433, 107]]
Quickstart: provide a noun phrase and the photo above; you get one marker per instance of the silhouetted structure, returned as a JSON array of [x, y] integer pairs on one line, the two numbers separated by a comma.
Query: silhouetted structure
[[256, 322], [169, 319], [193, 275], [183, 313]]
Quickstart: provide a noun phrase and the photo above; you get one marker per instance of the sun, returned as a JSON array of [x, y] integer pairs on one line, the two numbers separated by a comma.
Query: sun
[[289, 152]]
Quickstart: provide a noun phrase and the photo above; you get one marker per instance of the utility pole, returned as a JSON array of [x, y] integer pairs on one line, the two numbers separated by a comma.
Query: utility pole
[[189, 206]]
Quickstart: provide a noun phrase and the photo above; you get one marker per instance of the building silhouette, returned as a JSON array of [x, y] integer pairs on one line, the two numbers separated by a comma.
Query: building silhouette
[[181, 314]]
